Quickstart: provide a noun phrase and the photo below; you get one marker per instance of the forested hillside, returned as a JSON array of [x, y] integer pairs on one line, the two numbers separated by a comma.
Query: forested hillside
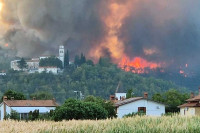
[[101, 79]]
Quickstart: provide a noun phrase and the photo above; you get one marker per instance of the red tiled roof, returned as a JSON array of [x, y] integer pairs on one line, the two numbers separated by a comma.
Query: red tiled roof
[[126, 101], [190, 105], [196, 98], [31, 103]]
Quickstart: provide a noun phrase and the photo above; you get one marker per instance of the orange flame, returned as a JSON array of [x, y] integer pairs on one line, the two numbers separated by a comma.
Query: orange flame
[[117, 12], [137, 65], [113, 21]]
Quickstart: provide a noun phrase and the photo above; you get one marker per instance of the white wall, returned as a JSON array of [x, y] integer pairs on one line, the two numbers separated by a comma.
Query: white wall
[[152, 108], [48, 70], [23, 110], [187, 111], [8, 110], [28, 109], [118, 95]]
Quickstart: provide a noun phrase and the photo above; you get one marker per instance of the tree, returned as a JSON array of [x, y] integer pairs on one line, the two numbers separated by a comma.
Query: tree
[[83, 59], [66, 59], [172, 98], [14, 115], [15, 95], [90, 62], [104, 62], [77, 61], [107, 105], [42, 95], [22, 64], [51, 61], [158, 97], [129, 93], [76, 109]]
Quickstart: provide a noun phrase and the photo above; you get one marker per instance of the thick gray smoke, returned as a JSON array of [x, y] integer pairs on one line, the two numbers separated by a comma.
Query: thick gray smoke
[[157, 30], [38, 26]]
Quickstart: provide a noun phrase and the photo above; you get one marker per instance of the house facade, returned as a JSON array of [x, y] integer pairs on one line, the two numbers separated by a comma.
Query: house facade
[[23, 107], [192, 107], [139, 104]]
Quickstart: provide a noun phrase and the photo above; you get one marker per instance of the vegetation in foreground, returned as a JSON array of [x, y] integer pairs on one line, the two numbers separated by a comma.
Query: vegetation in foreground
[[137, 124]]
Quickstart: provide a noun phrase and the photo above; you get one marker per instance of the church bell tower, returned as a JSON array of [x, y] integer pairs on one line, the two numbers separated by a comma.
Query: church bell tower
[[62, 54]]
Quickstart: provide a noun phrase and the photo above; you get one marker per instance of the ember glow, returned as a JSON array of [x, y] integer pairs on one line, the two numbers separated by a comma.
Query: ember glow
[[6, 45], [137, 65], [1, 6]]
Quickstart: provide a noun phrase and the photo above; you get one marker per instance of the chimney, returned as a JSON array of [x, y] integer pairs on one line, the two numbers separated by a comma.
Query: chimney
[[5, 98], [112, 98], [145, 95], [192, 95], [34, 98], [12, 98]]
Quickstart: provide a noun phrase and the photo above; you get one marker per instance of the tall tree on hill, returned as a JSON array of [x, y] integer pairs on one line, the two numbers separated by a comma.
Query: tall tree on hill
[[66, 60], [77, 61], [83, 59], [22, 64]]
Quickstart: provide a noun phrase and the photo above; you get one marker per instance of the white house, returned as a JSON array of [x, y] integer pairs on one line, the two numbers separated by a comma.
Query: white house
[[48, 69], [139, 104], [14, 65], [2, 74], [23, 107]]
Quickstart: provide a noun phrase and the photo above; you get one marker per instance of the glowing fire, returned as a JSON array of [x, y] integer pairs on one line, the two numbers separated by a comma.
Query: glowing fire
[[1, 6], [6, 45], [113, 21], [137, 65]]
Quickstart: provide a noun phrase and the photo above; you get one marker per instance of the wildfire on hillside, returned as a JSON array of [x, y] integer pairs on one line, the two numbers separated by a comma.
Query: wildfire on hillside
[[137, 65]]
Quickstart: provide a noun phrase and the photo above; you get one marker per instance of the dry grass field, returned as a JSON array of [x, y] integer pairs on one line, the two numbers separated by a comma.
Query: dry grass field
[[143, 124]]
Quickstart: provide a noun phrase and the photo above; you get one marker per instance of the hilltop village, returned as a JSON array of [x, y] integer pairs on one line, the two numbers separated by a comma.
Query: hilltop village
[[33, 65]]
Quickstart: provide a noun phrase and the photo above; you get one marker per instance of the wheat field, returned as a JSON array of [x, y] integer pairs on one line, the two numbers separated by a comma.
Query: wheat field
[[137, 124]]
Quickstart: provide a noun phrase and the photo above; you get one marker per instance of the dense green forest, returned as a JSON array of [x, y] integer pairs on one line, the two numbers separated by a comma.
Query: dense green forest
[[101, 79]]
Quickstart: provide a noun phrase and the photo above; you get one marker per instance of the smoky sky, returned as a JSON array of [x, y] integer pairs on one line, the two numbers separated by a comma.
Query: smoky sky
[[39, 26], [171, 29]]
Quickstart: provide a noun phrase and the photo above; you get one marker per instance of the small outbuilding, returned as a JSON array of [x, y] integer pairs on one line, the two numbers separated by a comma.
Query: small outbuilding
[[192, 107], [139, 104], [23, 107]]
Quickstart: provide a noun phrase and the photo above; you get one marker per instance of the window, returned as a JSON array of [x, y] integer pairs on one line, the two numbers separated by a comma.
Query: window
[[142, 110]]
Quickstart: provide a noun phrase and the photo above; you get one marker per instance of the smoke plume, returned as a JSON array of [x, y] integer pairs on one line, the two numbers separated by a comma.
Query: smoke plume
[[166, 33]]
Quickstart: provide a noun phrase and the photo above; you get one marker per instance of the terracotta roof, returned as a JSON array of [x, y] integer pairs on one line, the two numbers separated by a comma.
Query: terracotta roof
[[190, 105], [31, 103], [126, 101], [196, 98]]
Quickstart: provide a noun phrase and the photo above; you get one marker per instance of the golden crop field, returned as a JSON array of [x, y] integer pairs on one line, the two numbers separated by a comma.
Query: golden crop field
[[143, 124]]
